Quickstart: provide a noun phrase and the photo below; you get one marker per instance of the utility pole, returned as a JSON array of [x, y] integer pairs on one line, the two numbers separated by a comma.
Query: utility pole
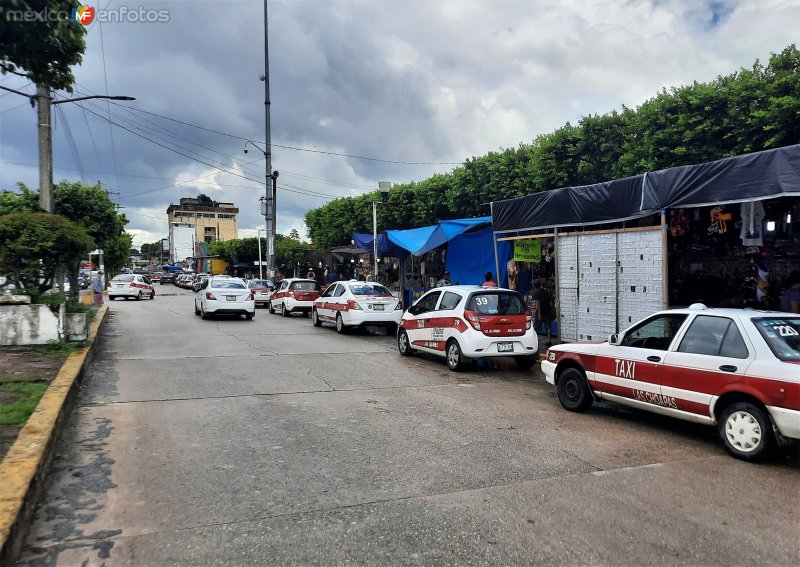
[[271, 216]]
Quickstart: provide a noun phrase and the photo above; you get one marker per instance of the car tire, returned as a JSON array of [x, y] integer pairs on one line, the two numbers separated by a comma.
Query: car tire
[[196, 310], [153, 295], [746, 431], [391, 329], [306, 314], [315, 318], [203, 315], [249, 316], [139, 296], [270, 308], [573, 390], [455, 360], [404, 344], [341, 328], [112, 297], [525, 362], [285, 312]]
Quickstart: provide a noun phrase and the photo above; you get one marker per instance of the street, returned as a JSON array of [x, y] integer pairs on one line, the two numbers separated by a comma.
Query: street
[[272, 442]]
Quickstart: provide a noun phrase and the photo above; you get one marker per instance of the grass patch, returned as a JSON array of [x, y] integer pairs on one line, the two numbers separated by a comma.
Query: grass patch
[[18, 400], [58, 347]]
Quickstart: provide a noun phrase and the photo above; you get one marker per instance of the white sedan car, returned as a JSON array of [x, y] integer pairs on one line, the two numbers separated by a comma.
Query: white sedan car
[[131, 286], [224, 296], [358, 304], [262, 290]]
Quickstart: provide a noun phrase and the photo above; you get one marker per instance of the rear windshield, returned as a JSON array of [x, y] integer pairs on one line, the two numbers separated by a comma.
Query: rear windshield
[[260, 283], [369, 289], [499, 303], [304, 286], [124, 278], [228, 284], [782, 334]]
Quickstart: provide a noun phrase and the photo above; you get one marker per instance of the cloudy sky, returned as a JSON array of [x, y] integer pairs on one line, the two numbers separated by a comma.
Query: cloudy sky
[[429, 82]]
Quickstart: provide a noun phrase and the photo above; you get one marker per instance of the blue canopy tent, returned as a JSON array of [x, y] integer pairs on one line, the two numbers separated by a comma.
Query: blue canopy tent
[[386, 247], [471, 254]]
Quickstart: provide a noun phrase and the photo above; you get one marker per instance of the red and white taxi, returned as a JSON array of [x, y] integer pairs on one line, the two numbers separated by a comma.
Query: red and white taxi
[[294, 295], [357, 304], [468, 322], [131, 286], [738, 369]]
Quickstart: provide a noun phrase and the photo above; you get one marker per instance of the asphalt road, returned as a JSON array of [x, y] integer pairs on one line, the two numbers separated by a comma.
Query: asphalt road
[[271, 442]]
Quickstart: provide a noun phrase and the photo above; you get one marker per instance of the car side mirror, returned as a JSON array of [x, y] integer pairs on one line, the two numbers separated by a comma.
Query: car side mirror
[[614, 339]]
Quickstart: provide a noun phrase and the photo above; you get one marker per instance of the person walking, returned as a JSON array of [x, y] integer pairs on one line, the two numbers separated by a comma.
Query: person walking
[[488, 280], [544, 311], [97, 288], [444, 280]]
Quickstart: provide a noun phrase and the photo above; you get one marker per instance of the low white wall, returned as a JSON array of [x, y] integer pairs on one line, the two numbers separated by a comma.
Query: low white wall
[[28, 325]]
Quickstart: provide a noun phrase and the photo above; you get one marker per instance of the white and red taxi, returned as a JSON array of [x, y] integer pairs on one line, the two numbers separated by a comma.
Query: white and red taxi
[[356, 304], [294, 295], [468, 322], [131, 286], [738, 369]]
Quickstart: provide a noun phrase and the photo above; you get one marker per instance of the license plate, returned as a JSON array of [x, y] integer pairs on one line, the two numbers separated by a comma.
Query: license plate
[[377, 307], [119, 286], [505, 347], [230, 297]]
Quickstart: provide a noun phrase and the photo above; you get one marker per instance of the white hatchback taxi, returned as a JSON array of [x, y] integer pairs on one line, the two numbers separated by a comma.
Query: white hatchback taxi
[[129, 286], [462, 323], [356, 304], [294, 295], [738, 369], [224, 296]]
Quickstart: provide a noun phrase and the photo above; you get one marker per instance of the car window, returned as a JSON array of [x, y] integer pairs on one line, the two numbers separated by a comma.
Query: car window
[[283, 285], [329, 292], [228, 284], [656, 332], [497, 303], [146, 280], [427, 302], [260, 283], [449, 301], [340, 290], [305, 286], [782, 334], [715, 336], [369, 289], [125, 278]]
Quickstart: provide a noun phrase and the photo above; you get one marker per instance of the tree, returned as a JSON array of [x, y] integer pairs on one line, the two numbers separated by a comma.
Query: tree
[[289, 250], [34, 247], [43, 49]]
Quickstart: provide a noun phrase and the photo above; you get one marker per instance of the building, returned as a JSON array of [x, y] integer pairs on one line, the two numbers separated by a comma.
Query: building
[[181, 242], [212, 220]]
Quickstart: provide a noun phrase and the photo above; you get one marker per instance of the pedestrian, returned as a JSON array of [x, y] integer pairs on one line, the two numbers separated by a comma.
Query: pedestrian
[[488, 280], [97, 288], [330, 277], [544, 310], [790, 300], [444, 280]]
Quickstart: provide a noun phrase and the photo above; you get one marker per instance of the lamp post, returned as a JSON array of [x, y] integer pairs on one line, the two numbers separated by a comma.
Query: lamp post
[[383, 189], [270, 206]]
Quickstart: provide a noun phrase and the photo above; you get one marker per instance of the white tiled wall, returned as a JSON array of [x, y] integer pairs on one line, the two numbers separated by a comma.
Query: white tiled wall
[[597, 286], [640, 276]]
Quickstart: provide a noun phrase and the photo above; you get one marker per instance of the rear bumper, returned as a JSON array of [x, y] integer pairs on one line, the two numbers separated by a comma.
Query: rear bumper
[[357, 317], [125, 292], [298, 306], [221, 308]]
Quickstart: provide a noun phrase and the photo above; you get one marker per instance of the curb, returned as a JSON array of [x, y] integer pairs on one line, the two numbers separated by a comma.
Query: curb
[[23, 469]]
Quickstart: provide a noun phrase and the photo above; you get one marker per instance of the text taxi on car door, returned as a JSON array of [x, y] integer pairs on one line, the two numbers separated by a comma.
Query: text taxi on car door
[[462, 323], [738, 369]]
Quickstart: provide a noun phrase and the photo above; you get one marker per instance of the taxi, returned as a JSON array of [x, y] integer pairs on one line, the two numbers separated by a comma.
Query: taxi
[[129, 286], [357, 304], [294, 295], [463, 323], [736, 369]]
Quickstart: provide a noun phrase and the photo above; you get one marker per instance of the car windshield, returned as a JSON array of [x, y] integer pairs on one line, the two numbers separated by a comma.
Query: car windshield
[[228, 284], [305, 286], [782, 334], [500, 303], [125, 278], [369, 289]]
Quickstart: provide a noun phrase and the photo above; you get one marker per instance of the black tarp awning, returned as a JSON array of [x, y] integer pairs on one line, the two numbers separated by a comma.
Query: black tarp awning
[[761, 175]]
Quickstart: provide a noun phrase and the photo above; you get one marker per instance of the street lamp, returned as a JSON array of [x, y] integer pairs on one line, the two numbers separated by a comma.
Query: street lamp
[[44, 100], [383, 189], [269, 208]]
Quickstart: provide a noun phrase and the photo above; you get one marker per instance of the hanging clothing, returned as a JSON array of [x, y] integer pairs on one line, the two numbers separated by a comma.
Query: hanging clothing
[[752, 223]]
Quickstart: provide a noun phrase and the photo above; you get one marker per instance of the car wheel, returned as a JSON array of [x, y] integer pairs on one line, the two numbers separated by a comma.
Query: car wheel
[[455, 360], [196, 310], [153, 295], [391, 329], [340, 327], [315, 318], [573, 390], [270, 308], [525, 362], [112, 297], [305, 314], [285, 312], [203, 314], [746, 431], [249, 316], [403, 344], [139, 296]]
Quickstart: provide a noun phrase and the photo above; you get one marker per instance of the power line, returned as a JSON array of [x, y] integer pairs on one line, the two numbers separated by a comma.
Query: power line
[[108, 106]]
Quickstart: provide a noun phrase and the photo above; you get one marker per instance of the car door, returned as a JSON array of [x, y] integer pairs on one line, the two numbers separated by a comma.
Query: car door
[[280, 295], [448, 319], [326, 304], [631, 369], [420, 332], [712, 354]]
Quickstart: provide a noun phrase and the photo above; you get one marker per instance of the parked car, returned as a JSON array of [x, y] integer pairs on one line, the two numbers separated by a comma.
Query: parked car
[[224, 296], [197, 281], [463, 323], [356, 304], [294, 295], [262, 290], [169, 277], [156, 277], [129, 286], [736, 369]]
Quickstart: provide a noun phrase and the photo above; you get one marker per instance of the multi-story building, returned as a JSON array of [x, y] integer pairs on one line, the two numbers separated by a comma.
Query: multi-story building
[[212, 220]]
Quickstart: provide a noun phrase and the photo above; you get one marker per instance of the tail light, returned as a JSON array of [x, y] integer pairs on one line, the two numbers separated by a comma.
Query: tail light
[[473, 319], [249, 297], [290, 293], [399, 306], [528, 319], [210, 295], [353, 305], [255, 289]]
